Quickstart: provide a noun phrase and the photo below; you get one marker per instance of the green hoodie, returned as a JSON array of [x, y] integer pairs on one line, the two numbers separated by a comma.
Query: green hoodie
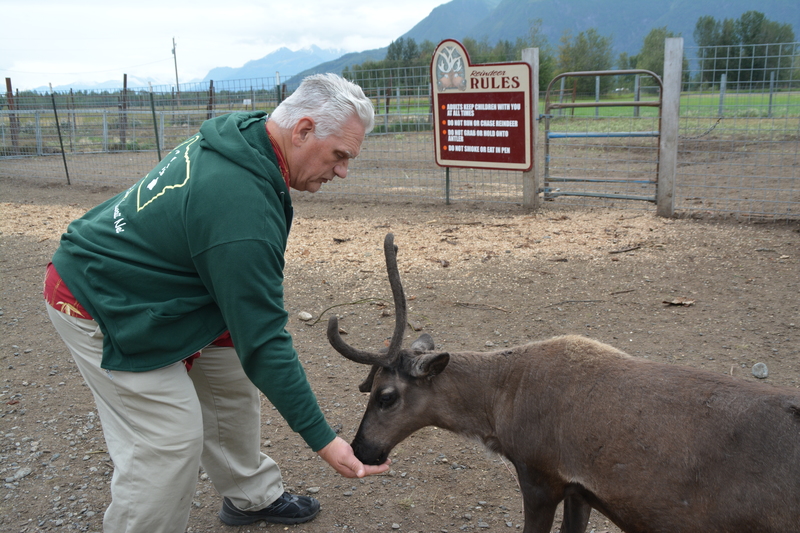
[[195, 248]]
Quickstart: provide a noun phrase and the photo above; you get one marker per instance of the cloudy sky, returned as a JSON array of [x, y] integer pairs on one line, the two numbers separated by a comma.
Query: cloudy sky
[[63, 42]]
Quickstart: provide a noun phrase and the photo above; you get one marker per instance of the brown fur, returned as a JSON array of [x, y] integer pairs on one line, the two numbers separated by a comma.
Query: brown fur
[[656, 448]]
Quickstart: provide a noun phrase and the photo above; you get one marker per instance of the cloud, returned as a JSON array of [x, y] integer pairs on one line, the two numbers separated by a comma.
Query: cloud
[[97, 40]]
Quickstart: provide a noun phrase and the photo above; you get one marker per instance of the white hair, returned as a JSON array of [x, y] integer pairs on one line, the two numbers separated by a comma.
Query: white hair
[[328, 99]]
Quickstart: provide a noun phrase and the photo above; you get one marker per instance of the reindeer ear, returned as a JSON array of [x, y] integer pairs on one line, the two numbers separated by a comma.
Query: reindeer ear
[[366, 385], [429, 365], [423, 344]]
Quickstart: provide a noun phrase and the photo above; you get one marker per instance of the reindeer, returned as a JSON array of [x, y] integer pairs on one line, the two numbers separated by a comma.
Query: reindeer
[[654, 447]]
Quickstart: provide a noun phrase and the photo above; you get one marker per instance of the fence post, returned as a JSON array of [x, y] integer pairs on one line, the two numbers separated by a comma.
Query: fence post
[[723, 83], [447, 185], [387, 93], [210, 107], [161, 126], [530, 179], [58, 129], [72, 121], [39, 143], [12, 117], [123, 118], [771, 91], [105, 130], [155, 123], [668, 141], [596, 95], [636, 96]]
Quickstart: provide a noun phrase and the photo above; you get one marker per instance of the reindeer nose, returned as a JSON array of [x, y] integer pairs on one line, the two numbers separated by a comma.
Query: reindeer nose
[[369, 455]]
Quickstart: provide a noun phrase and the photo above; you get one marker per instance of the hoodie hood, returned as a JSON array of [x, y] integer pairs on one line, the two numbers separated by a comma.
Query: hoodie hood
[[242, 138]]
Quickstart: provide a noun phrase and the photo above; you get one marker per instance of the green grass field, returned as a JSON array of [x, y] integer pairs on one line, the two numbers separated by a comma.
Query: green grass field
[[98, 130], [704, 104]]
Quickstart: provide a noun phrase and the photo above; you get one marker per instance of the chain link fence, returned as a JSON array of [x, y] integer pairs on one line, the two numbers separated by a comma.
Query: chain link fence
[[737, 153]]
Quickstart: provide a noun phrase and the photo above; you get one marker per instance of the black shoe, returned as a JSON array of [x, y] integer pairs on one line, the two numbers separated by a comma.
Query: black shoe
[[288, 509]]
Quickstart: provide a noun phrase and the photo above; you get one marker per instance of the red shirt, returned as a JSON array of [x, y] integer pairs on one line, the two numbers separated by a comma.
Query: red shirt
[[282, 165], [57, 294]]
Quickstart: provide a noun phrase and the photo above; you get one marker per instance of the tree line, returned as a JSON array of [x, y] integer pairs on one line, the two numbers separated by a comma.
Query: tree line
[[752, 47], [746, 50]]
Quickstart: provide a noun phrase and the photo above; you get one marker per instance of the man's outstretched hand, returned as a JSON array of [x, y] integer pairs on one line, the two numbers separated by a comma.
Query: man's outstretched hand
[[340, 456]]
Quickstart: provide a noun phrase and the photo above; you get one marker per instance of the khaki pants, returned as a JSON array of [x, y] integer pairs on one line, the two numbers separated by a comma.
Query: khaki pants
[[162, 425]]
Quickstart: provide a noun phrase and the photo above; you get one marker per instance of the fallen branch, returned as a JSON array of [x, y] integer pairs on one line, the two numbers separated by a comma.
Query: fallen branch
[[573, 302], [632, 248], [480, 306], [365, 300]]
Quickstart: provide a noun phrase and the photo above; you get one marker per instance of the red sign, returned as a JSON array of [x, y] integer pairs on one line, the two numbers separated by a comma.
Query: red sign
[[482, 113]]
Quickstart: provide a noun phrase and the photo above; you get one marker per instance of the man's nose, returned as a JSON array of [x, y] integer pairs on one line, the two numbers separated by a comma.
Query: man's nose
[[341, 168]]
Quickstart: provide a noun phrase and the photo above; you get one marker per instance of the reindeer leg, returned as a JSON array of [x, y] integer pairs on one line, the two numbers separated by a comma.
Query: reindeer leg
[[539, 513], [576, 514], [539, 501]]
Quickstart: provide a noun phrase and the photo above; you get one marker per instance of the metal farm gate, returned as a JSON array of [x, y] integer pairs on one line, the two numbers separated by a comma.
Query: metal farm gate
[[597, 154], [728, 144]]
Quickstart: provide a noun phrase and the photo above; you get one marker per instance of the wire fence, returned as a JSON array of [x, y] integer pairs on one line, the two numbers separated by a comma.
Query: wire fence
[[737, 151], [739, 146]]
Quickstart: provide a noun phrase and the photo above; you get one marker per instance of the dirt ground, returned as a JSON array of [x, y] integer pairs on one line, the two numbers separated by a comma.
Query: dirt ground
[[719, 296]]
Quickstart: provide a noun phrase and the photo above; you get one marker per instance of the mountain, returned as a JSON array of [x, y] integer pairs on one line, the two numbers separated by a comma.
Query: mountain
[[627, 21], [453, 20], [282, 60], [92, 86], [445, 21], [338, 65]]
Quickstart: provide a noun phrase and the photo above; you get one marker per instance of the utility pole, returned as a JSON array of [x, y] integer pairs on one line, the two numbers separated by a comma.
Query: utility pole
[[177, 83]]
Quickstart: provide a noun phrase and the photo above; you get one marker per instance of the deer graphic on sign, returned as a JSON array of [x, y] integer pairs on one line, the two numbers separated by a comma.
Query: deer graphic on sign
[[450, 69]]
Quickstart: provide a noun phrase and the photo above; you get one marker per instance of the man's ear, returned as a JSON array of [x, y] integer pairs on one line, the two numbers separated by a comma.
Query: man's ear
[[301, 131]]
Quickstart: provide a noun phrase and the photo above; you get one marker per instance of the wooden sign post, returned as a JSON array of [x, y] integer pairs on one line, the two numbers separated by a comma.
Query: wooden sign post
[[482, 113]]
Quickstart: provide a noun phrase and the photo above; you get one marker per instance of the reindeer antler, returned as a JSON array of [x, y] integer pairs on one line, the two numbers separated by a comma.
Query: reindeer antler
[[354, 354], [390, 251], [449, 60], [373, 358]]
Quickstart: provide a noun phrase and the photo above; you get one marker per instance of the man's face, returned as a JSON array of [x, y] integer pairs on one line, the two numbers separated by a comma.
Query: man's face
[[317, 161]]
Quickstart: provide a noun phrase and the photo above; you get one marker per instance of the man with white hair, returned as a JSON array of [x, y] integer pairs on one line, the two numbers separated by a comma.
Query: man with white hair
[[170, 298]]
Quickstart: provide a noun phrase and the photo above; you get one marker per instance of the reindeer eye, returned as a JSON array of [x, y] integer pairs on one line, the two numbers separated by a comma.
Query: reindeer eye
[[386, 398]]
